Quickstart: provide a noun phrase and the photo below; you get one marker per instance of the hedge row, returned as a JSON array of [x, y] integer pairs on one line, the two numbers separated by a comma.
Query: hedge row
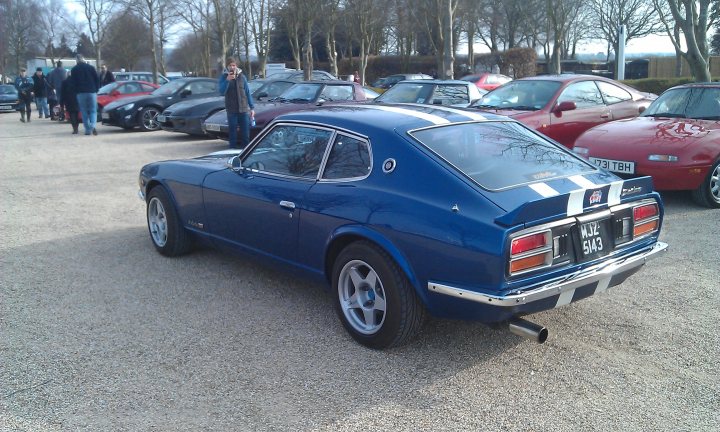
[[656, 85]]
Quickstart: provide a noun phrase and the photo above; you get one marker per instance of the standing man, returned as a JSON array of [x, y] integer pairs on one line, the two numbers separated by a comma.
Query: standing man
[[70, 103], [40, 89], [24, 86], [87, 83], [106, 77], [56, 78], [238, 103]]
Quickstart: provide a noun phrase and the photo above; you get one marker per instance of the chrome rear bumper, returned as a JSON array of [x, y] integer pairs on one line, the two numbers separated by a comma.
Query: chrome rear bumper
[[601, 274]]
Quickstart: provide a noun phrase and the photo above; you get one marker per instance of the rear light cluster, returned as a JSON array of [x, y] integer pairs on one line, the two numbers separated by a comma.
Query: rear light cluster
[[562, 242]]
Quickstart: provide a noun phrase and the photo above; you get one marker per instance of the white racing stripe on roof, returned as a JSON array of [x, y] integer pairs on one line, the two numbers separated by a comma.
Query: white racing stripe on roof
[[615, 192], [582, 182], [470, 115], [424, 116], [544, 189]]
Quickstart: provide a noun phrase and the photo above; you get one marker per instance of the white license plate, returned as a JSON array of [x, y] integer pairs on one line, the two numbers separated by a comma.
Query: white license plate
[[617, 166], [212, 127], [105, 115], [6, 107], [161, 118]]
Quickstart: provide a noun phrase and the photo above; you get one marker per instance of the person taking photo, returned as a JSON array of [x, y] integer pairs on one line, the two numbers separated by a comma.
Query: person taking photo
[[239, 105]]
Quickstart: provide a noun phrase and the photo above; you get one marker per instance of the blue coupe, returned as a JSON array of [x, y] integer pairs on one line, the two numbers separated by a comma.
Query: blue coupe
[[406, 210]]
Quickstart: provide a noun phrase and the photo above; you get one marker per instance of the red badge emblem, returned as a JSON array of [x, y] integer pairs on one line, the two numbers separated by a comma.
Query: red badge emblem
[[596, 197]]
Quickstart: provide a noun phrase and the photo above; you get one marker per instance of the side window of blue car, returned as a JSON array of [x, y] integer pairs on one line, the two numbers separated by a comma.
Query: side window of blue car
[[349, 158], [290, 150]]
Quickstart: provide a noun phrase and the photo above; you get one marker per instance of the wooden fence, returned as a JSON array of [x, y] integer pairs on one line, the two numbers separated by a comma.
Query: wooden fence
[[664, 67]]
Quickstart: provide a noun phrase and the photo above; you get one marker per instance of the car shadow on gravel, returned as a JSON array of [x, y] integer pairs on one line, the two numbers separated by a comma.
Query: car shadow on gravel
[[209, 326]]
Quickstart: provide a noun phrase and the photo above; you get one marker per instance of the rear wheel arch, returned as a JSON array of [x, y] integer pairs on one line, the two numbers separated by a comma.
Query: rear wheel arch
[[347, 236]]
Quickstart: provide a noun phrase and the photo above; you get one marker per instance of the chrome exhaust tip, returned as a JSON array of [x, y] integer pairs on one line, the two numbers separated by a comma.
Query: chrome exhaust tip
[[528, 330]]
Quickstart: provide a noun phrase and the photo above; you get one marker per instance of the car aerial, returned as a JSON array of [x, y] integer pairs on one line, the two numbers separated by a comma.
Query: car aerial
[[405, 210], [564, 106], [142, 111], [139, 76], [317, 75], [301, 96], [8, 98], [487, 81], [188, 116], [389, 81], [119, 90], [676, 141], [432, 92]]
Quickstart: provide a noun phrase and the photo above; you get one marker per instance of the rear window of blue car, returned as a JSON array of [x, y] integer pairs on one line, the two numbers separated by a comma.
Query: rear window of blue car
[[499, 154]]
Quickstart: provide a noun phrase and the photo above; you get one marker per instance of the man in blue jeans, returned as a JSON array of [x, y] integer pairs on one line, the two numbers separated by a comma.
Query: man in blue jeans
[[87, 84], [238, 103]]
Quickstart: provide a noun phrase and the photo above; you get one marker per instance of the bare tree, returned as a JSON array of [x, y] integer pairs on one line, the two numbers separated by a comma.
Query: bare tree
[[52, 19], [368, 16], [98, 14], [198, 14], [694, 19], [330, 12], [261, 26], [20, 35], [638, 16], [127, 40]]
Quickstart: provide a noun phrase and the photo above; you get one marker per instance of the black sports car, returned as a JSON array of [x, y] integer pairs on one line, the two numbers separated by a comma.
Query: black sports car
[[142, 111], [8, 98], [187, 116], [301, 96]]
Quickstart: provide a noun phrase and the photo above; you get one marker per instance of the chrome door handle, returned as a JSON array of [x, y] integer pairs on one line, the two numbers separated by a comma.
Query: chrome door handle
[[287, 205], [605, 116]]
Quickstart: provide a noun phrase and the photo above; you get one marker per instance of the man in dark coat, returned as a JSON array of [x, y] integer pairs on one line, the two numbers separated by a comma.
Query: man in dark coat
[[106, 77], [70, 102], [56, 78], [87, 82], [40, 89]]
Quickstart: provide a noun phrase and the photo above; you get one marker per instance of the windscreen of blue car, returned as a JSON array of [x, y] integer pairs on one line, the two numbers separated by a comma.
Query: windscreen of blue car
[[500, 154]]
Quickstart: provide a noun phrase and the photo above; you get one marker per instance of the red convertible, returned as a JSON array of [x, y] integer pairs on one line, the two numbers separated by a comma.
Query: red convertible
[[676, 141], [564, 106]]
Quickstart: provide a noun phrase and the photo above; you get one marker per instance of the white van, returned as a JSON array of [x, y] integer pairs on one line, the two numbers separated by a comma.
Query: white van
[[139, 76]]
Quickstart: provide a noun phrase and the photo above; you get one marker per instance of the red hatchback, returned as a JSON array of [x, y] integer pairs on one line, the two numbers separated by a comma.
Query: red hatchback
[[564, 106], [118, 90], [487, 81], [122, 89], [676, 141]]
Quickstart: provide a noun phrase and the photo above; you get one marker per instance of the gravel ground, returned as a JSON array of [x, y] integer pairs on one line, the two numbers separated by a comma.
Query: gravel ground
[[98, 332]]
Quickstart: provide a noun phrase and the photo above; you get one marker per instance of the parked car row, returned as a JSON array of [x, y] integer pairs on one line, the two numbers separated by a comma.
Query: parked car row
[[577, 111]]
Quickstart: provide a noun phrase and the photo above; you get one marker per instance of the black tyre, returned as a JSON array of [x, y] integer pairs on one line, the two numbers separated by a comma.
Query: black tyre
[[375, 301], [166, 232], [148, 119], [708, 194]]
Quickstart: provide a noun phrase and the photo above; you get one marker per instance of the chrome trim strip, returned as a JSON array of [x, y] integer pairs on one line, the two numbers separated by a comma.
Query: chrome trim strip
[[600, 273]]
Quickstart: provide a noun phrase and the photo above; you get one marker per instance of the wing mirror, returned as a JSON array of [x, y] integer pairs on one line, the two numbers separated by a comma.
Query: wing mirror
[[564, 106], [185, 93], [261, 95], [235, 164], [114, 93], [641, 109], [320, 102]]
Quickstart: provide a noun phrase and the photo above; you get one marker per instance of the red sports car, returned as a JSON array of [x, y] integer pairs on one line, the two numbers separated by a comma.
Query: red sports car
[[118, 90], [676, 141], [564, 106], [487, 81]]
